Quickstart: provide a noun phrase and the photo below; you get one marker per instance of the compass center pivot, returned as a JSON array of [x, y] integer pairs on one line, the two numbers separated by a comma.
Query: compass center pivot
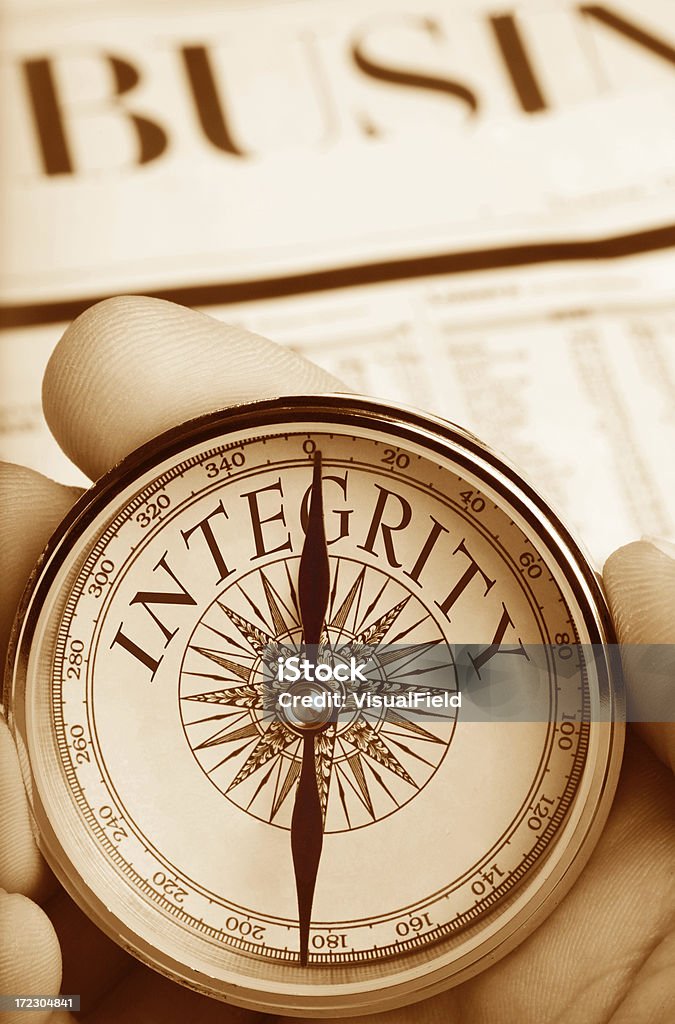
[[307, 706]]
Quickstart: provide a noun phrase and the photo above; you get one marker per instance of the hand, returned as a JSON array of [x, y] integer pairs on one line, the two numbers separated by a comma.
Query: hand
[[130, 368]]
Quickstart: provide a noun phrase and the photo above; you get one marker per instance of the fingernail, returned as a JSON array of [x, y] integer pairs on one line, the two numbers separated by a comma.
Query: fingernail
[[666, 546]]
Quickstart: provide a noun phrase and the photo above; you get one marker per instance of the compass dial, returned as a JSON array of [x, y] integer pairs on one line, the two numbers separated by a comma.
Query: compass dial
[[163, 783]]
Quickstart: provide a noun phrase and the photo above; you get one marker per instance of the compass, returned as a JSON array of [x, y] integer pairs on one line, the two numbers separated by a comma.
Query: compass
[[215, 789]]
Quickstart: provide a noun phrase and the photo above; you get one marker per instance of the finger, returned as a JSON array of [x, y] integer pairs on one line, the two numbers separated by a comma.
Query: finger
[[22, 868], [30, 960], [30, 508], [640, 583], [131, 367]]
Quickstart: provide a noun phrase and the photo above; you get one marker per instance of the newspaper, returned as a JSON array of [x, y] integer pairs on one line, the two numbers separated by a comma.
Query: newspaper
[[454, 206]]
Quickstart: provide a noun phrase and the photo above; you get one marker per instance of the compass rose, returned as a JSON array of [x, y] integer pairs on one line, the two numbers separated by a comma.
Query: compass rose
[[371, 760]]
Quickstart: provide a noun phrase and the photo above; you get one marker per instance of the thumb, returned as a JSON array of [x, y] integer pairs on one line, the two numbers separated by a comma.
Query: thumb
[[640, 583]]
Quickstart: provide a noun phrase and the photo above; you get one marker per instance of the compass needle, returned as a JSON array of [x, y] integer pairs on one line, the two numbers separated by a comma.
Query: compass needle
[[306, 840], [309, 719], [314, 574], [307, 820]]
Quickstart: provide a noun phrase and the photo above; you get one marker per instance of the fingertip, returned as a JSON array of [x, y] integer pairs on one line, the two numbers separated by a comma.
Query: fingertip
[[640, 584], [130, 367], [30, 956]]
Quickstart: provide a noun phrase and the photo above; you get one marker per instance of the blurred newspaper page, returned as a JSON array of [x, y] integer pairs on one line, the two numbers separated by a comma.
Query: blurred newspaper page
[[411, 197], [570, 374]]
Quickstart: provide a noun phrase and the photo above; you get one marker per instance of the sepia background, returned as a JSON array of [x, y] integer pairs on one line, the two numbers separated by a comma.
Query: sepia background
[[468, 206]]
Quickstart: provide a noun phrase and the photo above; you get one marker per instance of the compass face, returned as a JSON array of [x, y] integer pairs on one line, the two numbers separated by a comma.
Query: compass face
[[164, 783]]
